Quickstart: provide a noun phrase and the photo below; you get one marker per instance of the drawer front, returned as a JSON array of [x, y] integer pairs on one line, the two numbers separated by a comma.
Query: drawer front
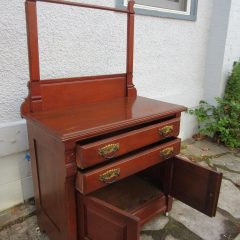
[[100, 151], [101, 177]]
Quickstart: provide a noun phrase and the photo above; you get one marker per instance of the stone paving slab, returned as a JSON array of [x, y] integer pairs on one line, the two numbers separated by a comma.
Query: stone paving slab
[[173, 229], [202, 225], [12, 215], [146, 237], [26, 230], [170, 237], [229, 199], [238, 237], [157, 223], [202, 150], [228, 162], [183, 223], [233, 177], [4, 234]]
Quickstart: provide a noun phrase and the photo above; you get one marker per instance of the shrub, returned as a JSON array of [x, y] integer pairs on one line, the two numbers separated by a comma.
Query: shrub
[[222, 122]]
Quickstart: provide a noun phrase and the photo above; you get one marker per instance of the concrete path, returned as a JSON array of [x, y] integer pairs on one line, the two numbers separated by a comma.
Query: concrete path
[[183, 223]]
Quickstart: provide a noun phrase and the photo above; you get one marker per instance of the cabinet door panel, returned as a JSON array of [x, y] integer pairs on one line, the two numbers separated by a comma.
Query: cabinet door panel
[[195, 185], [102, 221]]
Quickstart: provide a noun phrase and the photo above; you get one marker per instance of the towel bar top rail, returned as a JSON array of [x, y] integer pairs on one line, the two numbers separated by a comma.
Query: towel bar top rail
[[70, 3], [38, 90]]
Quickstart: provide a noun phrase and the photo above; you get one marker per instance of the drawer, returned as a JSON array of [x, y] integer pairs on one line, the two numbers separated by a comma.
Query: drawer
[[123, 207], [126, 166], [114, 214], [99, 151]]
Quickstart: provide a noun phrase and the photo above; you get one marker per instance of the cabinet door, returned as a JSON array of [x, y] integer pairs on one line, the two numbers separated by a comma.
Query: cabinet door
[[99, 220], [195, 185]]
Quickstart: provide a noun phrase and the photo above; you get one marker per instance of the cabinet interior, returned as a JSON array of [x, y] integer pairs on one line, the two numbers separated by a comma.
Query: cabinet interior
[[135, 195]]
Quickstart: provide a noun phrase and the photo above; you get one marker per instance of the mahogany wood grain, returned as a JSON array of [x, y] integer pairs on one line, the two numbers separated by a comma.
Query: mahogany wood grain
[[34, 165], [127, 193], [62, 114], [103, 221], [132, 92], [34, 99], [54, 189], [150, 209], [160, 176], [195, 185], [67, 93], [32, 34], [71, 208], [76, 4], [84, 78], [133, 197], [89, 181], [103, 117], [88, 154], [169, 203], [188, 182]]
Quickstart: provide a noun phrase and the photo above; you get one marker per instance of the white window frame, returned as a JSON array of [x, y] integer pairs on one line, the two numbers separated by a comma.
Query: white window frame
[[189, 14]]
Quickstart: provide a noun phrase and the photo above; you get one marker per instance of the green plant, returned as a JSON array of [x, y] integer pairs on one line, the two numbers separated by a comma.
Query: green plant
[[203, 115], [222, 122]]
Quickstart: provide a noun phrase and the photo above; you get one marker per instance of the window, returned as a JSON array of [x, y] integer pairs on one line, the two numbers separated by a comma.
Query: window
[[176, 5], [181, 9]]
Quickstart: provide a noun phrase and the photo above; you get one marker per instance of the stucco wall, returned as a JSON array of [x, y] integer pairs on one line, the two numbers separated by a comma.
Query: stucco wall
[[232, 47], [223, 47], [216, 50], [169, 65], [169, 54]]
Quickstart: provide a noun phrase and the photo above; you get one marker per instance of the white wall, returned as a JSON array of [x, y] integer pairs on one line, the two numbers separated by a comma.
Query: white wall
[[216, 50], [15, 170], [232, 47], [223, 47], [169, 65]]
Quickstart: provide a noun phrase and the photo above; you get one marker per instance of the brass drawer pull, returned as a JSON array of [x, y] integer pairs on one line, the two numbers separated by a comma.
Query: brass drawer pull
[[165, 131], [108, 151], [167, 152], [110, 176]]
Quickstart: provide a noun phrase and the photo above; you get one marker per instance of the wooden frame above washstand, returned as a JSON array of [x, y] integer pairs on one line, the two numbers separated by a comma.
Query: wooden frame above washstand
[[50, 94]]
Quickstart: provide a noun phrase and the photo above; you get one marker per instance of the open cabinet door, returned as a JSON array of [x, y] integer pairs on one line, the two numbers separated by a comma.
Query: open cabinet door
[[102, 221], [195, 185]]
